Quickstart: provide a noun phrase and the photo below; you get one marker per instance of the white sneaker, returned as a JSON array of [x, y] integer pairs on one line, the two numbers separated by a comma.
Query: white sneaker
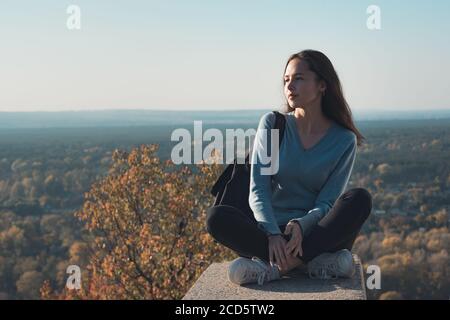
[[332, 265], [244, 270]]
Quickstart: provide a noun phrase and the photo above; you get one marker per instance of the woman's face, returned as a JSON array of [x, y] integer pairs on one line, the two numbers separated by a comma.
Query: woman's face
[[301, 87]]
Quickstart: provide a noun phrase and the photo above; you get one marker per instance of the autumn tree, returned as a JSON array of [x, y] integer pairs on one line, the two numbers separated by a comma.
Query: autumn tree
[[146, 221]]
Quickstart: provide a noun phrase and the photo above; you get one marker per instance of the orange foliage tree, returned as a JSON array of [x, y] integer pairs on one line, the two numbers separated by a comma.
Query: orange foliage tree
[[146, 224]]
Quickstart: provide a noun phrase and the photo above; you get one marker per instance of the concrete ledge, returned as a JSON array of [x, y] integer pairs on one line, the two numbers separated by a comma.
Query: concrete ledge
[[213, 284]]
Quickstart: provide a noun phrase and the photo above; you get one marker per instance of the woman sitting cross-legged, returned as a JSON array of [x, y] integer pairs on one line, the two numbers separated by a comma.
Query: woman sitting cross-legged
[[301, 214]]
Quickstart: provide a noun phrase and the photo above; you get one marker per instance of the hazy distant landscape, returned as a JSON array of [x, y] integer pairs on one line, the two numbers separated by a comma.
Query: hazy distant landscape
[[48, 161], [114, 118]]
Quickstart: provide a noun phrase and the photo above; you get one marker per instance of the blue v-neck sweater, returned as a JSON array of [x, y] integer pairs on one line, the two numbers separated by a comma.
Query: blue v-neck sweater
[[307, 181]]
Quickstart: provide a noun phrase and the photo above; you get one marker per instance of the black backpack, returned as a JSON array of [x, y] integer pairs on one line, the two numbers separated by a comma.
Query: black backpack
[[232, 188]]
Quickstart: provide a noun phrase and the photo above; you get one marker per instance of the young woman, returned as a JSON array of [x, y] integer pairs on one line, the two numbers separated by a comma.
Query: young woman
[[301, 214]]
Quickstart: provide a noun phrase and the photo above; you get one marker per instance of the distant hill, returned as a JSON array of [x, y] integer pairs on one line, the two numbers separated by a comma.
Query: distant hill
[[127, 118]]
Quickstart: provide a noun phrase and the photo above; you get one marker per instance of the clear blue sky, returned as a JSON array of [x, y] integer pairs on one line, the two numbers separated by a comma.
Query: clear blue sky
[[217, 54]]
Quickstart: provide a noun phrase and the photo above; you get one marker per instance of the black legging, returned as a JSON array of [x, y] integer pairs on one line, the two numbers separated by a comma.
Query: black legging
[[339, 228]]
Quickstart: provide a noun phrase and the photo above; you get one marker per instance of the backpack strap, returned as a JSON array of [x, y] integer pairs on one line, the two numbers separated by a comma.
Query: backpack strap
[[280, 123]]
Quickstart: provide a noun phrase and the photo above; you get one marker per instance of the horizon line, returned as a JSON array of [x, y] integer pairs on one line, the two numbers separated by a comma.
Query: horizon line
[[210, 110]]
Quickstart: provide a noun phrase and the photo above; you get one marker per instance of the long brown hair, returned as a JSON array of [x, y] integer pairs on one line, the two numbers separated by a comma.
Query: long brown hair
[[334, 106]]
